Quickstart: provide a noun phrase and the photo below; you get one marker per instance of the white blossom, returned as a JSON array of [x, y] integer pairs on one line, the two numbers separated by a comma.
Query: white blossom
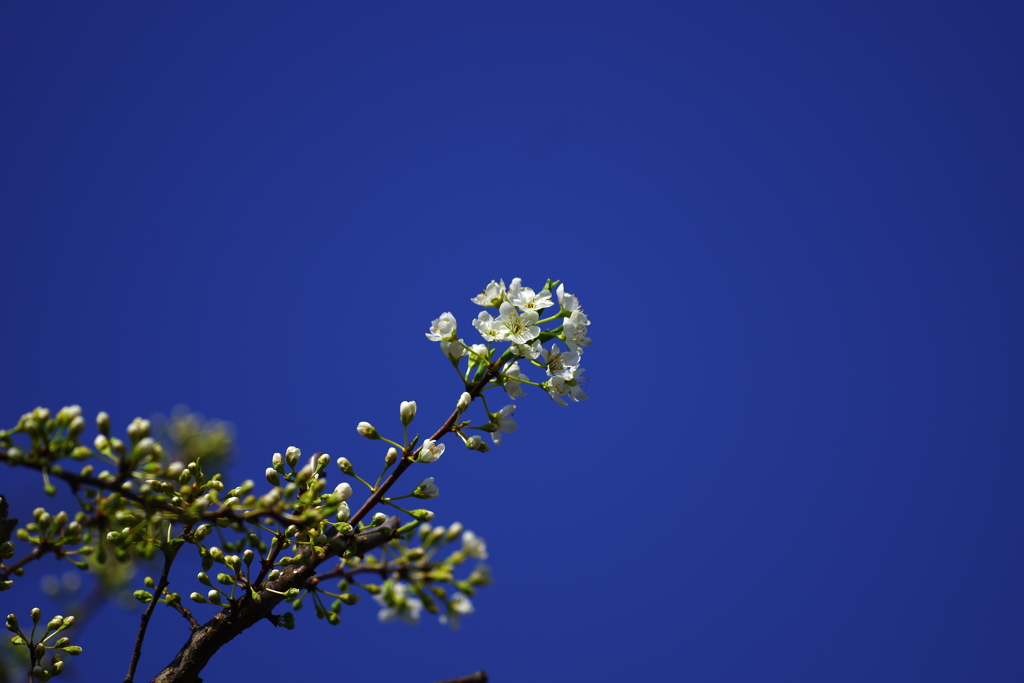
[[560, 364], [530, 351], [395, 601], [458, 605], [512, 376], [430, 451], [503, 418], [567, 302], [493, 295], [443, 327], [575, 331], [453, 349], [560, 389], [344, 512], [464, 401], [426, 489], [473, 545], [527, 300], [489, 328], [518, 327]]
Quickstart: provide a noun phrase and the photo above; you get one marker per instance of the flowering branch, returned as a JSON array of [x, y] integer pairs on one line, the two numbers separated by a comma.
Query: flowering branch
[[298, 524]]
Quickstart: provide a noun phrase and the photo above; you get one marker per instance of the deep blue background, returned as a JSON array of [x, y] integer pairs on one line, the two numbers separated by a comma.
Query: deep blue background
[[797, 230]]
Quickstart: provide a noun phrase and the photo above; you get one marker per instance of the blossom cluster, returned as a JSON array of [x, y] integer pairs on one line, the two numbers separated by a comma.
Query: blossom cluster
[[517, 321]]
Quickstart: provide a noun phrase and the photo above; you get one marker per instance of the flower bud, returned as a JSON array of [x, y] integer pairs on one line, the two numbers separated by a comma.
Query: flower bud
[[55, 623], [292, 455], [247, 556], [344, 512], [345, 466], [62, 642], [58, 666], [103, 423], [213, 596], [36, 615], [422, 515], [378, 519], [464, 401], [37, 671], [323, 461], [273, 477], [101, 442], [407, 411], [474, 442], [216, 553], [454, 531], [77, 425], [366, 429], [12, 623], [343, 491]]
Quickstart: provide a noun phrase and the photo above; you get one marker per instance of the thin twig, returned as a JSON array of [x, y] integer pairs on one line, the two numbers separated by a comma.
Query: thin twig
[[144, 623]]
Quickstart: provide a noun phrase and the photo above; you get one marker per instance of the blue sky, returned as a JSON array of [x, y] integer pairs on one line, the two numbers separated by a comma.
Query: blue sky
[[797, 230]]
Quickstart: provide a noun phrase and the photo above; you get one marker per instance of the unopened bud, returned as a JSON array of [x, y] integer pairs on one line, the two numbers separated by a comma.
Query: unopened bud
[[454, 531], [345, 466], [378, 519], [101, 442], [464, 401], [273, 477], [392, 456], [344, 512], [103, 422], [474, 442], [422, 515], [77, 425], [213, 596], [323, 461], [292, 455], [366, 429], [343, 491], [407, 411]]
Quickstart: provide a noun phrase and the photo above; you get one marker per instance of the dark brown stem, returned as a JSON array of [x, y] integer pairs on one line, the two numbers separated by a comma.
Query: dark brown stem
[[407, 461], [478, 677], [184, 611], [231, 621], [36, 553], [171, 553]]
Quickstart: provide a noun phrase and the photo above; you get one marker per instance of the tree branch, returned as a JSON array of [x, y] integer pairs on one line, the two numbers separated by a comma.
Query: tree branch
[[478, 677], [245, 612]]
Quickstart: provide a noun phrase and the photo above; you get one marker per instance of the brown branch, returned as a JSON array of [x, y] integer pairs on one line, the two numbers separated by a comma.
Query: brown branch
[[170, 554], [407, 461], [231, 621], [185, 612], [478, 677], [36, 554]]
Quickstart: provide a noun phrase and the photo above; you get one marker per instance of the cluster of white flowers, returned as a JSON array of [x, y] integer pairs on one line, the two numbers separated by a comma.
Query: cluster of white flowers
[[518, 322]]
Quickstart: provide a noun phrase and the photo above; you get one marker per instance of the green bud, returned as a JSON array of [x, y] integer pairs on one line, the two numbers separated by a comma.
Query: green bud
[[378, 519], [37, 614], [73, 650], [37, 671], [5, 585], [77, 426], [273, 575], [213, 596], [81, 452], [225, 579], [349, 598], [198, 598], [217, 554], [204, 579], [345, 466], [143, 596], [6, 550], [247, 556], [103, 423], [58, 667], [366, 429], [55, 623], [372, 588], [422, 515], [22, 534], [62, 642], [233, 561], [291, 593], [323, 461], [12, 623], [333, 619], [292, 455], [391, 457]]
